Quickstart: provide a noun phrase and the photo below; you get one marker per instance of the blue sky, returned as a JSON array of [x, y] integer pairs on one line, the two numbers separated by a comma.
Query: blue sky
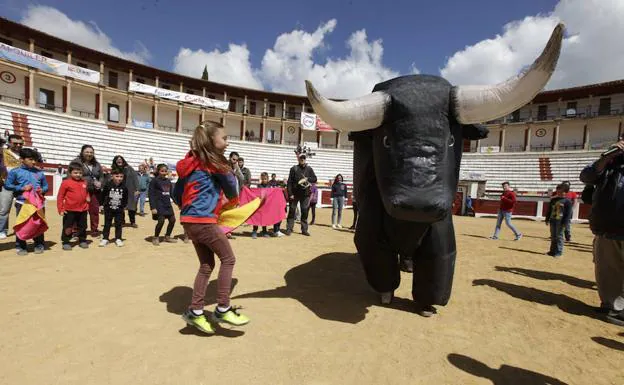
[[420, 34]]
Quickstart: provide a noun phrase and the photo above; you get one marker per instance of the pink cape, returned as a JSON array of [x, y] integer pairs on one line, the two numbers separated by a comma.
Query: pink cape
[[272, 209], [31, 220]]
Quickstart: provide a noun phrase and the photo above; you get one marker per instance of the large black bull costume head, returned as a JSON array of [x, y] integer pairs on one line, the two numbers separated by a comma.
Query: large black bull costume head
[[408, 139]]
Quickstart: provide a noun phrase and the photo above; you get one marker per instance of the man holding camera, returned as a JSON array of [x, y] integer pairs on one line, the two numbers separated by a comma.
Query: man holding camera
[[299, 190], [607, 224]]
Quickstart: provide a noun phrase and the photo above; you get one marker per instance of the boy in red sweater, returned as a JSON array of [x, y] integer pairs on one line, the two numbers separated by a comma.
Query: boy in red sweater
[[507, 203], [73, 204]]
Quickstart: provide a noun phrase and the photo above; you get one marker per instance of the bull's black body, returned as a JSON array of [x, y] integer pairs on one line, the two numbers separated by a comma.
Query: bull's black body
[[405, 178]]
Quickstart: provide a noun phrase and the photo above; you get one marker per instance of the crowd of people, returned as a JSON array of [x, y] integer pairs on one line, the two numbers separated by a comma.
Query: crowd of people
[[119, 192]]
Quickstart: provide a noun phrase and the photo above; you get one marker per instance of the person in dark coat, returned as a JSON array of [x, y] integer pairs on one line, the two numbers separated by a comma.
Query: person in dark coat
[[93, 175], [160, 202], [131, 182], [299, 190]]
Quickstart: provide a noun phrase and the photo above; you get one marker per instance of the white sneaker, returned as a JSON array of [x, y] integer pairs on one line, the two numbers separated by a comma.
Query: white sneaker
[[3, 236], [339, 226], [103, 242], [280, 234], [119, 242], [334, 227]]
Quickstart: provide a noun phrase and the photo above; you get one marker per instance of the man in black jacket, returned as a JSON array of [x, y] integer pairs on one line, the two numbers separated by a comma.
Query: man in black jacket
[[607, 224], [299, 180]]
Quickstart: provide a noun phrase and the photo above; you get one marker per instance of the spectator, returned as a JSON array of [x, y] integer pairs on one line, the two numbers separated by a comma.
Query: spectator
[[245, 171], [507, 204], [10, 161], [299, 180], [572, 196], [93, 175], [607, 224], [144, 182], [131, 182], [237, 171], [338, 195], [559, 213]]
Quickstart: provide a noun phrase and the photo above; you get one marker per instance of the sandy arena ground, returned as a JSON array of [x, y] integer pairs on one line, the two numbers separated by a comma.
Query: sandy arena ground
[[112, 316]]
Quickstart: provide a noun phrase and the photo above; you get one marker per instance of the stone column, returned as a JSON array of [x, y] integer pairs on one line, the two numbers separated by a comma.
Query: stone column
[[179, 118], [129, 110], [284, 109], [338, 136], [31, 45], [67, 97], [69, 57], [586, 137], [31, 87], [245, 106], [282, 129], [555, 145], [501, 139], [527, 138], [101, 74], [155, 114]]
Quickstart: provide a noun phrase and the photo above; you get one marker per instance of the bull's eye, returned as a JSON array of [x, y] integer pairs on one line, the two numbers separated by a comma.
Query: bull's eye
[[451, 141], [386, 144]]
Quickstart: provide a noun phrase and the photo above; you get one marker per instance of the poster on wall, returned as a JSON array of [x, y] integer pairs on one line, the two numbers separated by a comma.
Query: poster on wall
[[490, 149], [46, 64], [308, 121], [178, 96]]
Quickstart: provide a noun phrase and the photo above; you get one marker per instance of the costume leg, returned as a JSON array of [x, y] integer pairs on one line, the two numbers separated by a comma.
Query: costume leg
[[434, 264]]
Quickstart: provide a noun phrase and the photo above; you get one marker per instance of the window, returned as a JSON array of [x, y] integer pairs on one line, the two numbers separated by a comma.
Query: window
[[113, 113], [190, 92], [515, 116], [211, 96], [46, 99], [6, 41], [542, 112], [81, 64], [271, 109], [252, 108], [113, 79], [47, 54], [233, 105], [165, 87], [605, 106], [571, 109], [310, 110], [140, 80], [291, 112]]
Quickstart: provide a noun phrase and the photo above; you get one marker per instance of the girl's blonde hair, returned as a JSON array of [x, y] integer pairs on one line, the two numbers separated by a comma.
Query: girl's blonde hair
[[202, 146]]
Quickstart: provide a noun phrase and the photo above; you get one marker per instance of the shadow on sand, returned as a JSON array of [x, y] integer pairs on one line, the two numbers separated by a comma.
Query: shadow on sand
[[333, 287], [613, 344], [504, 375], [562, 301], [548, 276]]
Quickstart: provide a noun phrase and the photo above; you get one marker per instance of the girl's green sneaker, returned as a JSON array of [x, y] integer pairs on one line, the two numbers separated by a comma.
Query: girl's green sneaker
[[232, 316], [198, 321]]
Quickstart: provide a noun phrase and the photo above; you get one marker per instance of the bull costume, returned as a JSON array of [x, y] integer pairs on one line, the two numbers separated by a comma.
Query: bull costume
[[408, 141]]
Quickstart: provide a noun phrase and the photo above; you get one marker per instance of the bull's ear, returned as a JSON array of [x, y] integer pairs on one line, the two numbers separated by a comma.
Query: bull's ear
[[474, 131]]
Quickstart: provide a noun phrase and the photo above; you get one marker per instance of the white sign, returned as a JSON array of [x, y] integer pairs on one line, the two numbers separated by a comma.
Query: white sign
[[308, 121], [178, 96], [46, 64], [312, 145], [142, 124]]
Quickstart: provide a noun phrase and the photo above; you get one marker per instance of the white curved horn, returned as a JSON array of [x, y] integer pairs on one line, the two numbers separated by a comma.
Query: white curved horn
[[363, 113], [477, 104]]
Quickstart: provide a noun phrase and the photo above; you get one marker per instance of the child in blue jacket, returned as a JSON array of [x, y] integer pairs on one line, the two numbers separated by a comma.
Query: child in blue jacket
[[22, 179]]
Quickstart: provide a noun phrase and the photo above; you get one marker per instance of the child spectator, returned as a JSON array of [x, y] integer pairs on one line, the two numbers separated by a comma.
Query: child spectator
[[559, 214], [26, 178], [160, 203], [72, 203], [115, 196], [264, 183]]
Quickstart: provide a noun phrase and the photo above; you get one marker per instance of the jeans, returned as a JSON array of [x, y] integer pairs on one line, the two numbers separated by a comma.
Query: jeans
[[161, 222], [499, 221], [568, 230], [337, 205], [6, 198], [109, 216], [20, 243], [142, 196], [609, 269], [556, 237], [72, 220]]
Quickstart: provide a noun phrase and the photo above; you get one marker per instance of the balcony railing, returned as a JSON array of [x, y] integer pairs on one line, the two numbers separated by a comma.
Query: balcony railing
[[50, 107], [11, 99], [273, 141], [571, 146], [541, 147], [234, 137], [346, 146], [293, 115], [253, 139], [83, 114], [330, 145], [601, 144], [514, 148], [291, 143], [163, 127]]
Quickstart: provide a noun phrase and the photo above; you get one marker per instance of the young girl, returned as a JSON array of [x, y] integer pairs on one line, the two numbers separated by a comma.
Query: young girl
[[160, 203], [338, 195], [205, 175]]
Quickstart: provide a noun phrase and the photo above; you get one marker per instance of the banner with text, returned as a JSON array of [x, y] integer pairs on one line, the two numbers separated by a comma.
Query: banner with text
[[46, 64], [313, 122], [178, 96]]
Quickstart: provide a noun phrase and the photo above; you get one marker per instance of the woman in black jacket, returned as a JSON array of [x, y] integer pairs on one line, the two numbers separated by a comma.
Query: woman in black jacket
[[160, 202], [92, 174]]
